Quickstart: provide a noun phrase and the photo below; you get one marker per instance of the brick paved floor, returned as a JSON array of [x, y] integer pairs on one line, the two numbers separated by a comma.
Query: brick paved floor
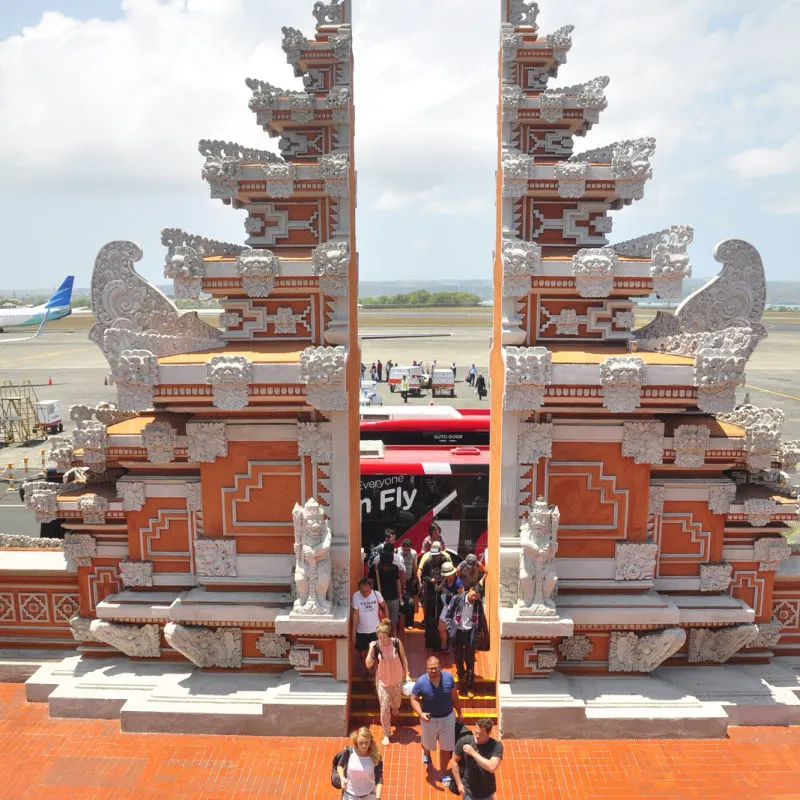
[[62, 759]]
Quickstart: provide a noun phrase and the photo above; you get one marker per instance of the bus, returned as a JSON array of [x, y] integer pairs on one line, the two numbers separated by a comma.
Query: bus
[[417, 467]]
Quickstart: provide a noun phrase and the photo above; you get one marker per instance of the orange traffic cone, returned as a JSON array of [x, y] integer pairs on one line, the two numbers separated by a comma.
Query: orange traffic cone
[[49, 381]]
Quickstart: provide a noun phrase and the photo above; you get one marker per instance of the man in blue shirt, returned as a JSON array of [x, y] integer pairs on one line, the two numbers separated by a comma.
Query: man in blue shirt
[[435, 701]]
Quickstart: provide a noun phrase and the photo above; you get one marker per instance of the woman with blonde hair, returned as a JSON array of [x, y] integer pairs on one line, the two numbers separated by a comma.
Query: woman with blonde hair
[[361, 768], [390, 656]]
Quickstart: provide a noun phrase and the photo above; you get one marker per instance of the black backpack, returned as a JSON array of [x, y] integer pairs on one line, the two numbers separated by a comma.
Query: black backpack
[[337, 759]]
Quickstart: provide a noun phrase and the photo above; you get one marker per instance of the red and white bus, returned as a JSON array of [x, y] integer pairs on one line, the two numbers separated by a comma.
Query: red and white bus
[[432, 464]]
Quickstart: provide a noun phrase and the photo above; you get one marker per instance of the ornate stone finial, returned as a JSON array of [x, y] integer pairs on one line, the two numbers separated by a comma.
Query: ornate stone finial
[[339, 104], [312, 573], [635, 561], [91, 437], [41, 497], [328, 13], [174, 239], [223, 165], [551, 104], [160, 440], [707, 644], [770, 551], [294, 42], [322, 369], [535, 441], [61, 453], [690, 443], [137, 641], [720, 497], [643, 442], [521, 260], [335, 169], [207, 441], [670, 263], [538, 578], [517, 169], [622, 378], [571, 177], [330, 262], [258, 270], [523, 13], [643, 652], [512, 99], [206, 647], [631, 168], [528, 373], [716, 577], [510, 44], [575, 648], [341, 43], [229, 377], [185, 266], [132, 494], [314, 442], [93, 509], [560, 41], [136, 573], [136, 375], [717, 374], [80, 548], [594, 270], [215, 558]]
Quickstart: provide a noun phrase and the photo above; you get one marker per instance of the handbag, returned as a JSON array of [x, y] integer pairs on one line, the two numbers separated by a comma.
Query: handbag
[[480, 639]]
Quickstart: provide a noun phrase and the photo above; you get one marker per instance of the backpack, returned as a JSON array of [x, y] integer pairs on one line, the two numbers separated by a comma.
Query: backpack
[[337, 759], [395, 642]]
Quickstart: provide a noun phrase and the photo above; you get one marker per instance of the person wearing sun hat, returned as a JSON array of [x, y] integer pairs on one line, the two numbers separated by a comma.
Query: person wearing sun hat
[[449, 586]]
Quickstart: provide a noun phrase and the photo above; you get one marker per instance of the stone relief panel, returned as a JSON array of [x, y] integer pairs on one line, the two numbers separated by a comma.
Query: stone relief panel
[[690, 443], [206, 647], [575, 648], [207, 441], [707, 644], [322, 369], [535, 441], [720, 497], [215, 558], [132, 494], [771, 552], [273, 645], [715, 577], [136, 573], [635, 652], [643, 442], [160, 440], [635, 561], [229, 377], [528, 373], [622, 378], [136, 641]]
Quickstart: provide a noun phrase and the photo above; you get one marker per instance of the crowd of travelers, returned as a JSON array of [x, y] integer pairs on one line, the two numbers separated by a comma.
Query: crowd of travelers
[[379, 373], [398, 583]]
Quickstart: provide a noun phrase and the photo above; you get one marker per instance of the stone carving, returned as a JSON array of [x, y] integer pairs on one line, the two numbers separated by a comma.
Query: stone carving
[[512, 99], [622, 378], [560, 41], [335, 169], [771, 551], [136, 641], [341, 43], [184, 265], [635, 561], [160, 440], [720, 497], [258, 270], [293, 44], [132, 494], [509, 586], [223, 165], [520, 260], [571, 177], [175, 238], [510, 44], [551, 104], [136, 374], [81, 629], [273, 645], [80, 548], [708, 644], [207, 441], [655, 499], [546, 660], [90, 436], [643, 442], [131, 314], [61, 453], [339, 104], [340, 585], [330, 262], [538, 579], [229, 377], [517, 169], [136, 573], [642, 246], [630, 166], [594, 269], [312, 573], [769, 634], [215, 558], [322, 369], [300, 657], [523, 13], [93, 509], [313, 441], [758, 513], [690, 443], [43, 503], [643, 652], [206, 647], [194, 496], [575, 648], [670, 261], [790, 454], [328, 13], [762, 433], [715, 577], [528, 373], [535, 441], [717, 374], [18, 541], [279, 178], [567, 321]]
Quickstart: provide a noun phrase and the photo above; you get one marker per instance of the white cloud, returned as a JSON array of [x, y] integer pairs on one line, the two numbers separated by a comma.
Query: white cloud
[[764, 162]]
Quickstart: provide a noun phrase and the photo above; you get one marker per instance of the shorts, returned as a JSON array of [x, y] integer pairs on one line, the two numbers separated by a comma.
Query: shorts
[[439, 729], [394, 610], [363, 640]]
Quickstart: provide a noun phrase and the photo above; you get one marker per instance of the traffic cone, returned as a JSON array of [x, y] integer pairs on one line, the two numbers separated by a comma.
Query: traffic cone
[[105, 380], [49, 381]]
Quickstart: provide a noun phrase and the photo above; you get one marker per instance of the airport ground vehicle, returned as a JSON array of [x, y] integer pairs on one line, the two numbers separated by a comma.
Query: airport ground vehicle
[[48, 413], [369, 397], [443, 383], [416, 379]]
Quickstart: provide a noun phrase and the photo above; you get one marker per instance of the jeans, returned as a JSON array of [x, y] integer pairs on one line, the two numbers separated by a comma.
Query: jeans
[[464, 656]]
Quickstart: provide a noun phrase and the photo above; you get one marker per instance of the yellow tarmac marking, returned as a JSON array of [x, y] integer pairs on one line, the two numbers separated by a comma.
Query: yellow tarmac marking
[[769, 391]]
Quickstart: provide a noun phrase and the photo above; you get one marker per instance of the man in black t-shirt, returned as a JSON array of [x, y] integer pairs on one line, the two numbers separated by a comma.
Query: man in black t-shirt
[[475, 761], [387, 579]]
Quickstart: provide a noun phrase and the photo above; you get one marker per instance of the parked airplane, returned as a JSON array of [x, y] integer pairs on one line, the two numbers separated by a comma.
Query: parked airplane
[[56, 307]]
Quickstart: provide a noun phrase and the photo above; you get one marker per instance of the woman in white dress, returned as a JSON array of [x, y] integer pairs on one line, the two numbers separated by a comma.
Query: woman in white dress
[[361, 768]]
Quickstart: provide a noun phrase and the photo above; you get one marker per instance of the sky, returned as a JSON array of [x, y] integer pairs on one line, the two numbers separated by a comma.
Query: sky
[[102, 103]]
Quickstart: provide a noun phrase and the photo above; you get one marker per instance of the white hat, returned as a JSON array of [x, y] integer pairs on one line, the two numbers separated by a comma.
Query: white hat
[[436, 547], [448, 569]]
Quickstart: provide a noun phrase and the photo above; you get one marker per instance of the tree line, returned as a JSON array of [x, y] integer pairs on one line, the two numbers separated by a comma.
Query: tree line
[[422, 297]]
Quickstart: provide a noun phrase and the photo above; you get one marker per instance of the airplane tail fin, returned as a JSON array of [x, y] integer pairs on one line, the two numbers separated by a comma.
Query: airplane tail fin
[[62, 295]]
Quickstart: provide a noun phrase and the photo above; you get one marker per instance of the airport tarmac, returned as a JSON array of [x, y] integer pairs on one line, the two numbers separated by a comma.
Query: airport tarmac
[[78, 370]]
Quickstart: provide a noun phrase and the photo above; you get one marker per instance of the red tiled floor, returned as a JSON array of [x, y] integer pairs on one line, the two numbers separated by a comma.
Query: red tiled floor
[[61, 759]]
